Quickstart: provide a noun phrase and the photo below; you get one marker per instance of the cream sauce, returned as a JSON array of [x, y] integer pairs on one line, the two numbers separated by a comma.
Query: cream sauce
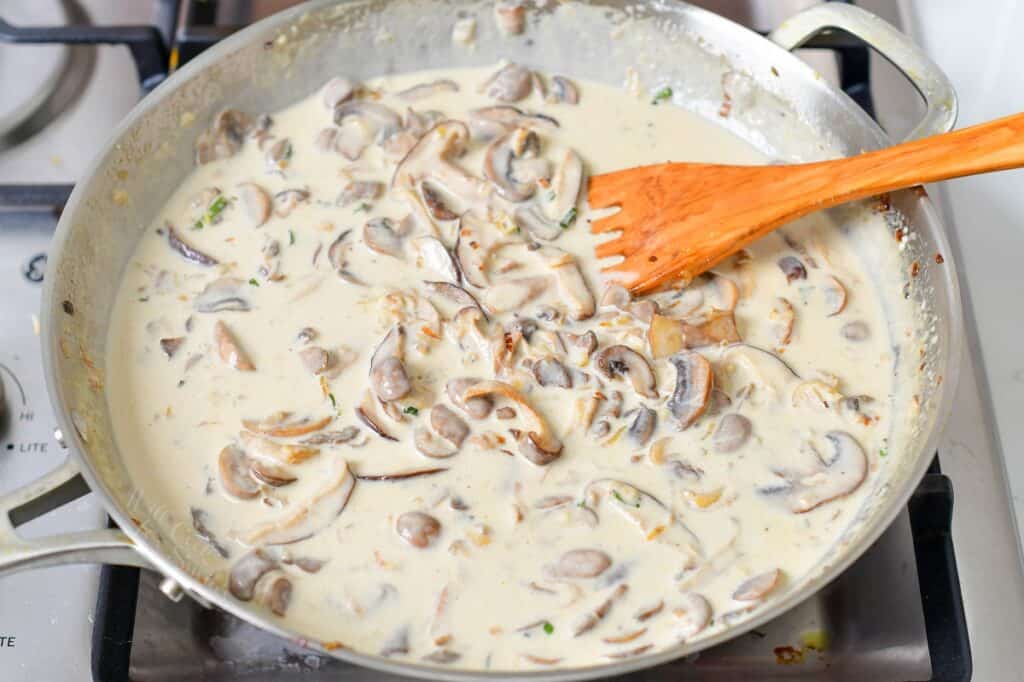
[[493, 587]]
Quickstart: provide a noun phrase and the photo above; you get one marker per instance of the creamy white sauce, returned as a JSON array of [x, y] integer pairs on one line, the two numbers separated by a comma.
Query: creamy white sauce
[[485, 590]]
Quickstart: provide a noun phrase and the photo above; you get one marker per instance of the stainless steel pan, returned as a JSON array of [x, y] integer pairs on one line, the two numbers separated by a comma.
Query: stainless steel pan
[[787, 110]]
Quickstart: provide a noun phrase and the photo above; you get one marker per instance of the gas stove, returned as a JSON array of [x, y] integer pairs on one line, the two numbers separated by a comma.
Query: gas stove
[[939, 597]]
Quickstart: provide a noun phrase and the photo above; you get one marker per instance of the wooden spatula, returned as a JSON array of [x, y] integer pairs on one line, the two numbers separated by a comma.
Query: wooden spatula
[[680, 219]]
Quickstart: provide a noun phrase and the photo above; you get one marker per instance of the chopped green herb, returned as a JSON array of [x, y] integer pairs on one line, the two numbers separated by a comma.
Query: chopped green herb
[[569, 219], [334, 403], [362, 207], [551, 195], [615, 493], [411, 410], [548, 627], [582, 504], [662, 95], [216, 206], [253, 281], [291, 238], [882, 452], [197, 225]]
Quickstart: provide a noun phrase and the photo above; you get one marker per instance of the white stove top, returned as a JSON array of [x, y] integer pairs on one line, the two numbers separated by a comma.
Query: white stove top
[[55, 606]]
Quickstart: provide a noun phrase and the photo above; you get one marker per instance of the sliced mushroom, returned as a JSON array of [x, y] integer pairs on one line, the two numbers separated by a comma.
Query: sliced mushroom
[[382, 120], [362, 190], [288, 200], [647, 612], [229, 350], [233, 468], [537, 443], [510, 15], [279, 155], [618, 360], [247, 571], [432, 254], [478, 407], [835, 296], [201, 525], [783, 316], [388, 377], [274, 592], [351, 139], [171, 346], [271, 474], [436, 203], [757, 587], [550, 372], [380, 235], [429, 445], [563, 91], [692, 613], [470, 249], [529, 218], [286, 425], [326, 140], [589, 620], [425, 90], [643, 426], [653, 519], [315, 359], [565, 184], [305, 518], [792, 268], [582, 563], [511, 83], [448, 425], [630, 653], [694, 381], [490, 122], [453, 293], [513, 293], [263, 448], [837, 476], [222, 295], [397, 643], [732, 433], [189, 253], [341, 437], [581, 346], [225, 136], [667, 335], [402, 475], [500, 160], [418, 529], [337, 91]]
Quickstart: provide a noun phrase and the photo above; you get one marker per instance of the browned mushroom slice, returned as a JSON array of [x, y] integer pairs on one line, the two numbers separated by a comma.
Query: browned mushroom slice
[[643, 426], [500, 160], [783, 316], [588, 620], [732, 433], [837, 477], [388, 377], [429, 445], [402, 475], [201, 525], [453, 293], [478, 407], [551, 372], [694, 381], [537, 443], [171, 346], [418, 529], [383, 121], [425, 90], [189, 253], [624, 638], [432, 254], [667, 335], [563, 91], [540, 660], [271, 474], [307, 517], [286, 425], [448, 425], [489, 122], [618, 361], [510, 15], [336, 91], [511, 83], [691, 614], [225, 136], [650, 611], [582, 563], [757, 587], [229, 350], [220, 295], [792, 268], [247, 571], [565, 186], [855, 331], [341, 437], [618, 297], [835, 296], [233, 468], [436, 203], [274, 592], [366, 411], [380, 235], [315, 359], [362, 190], [630, 653], [266, 449], [288, 200], [470, 249]]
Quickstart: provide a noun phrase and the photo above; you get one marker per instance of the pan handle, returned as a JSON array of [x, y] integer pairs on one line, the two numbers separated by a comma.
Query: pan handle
[[57, 488], [925, 75]]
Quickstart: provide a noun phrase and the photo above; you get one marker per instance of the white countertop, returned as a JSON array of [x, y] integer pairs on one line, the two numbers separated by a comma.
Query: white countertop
[[980, 50]]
